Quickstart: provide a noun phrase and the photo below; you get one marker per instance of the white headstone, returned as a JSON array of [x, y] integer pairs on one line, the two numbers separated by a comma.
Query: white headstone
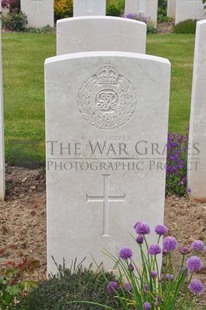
[[131, 6], [197, 133], [189, 9], [99, 33], [146, 7], [89, 7], [171, 8], [104, 136], [151, 10], [40, 13], [2, 157]]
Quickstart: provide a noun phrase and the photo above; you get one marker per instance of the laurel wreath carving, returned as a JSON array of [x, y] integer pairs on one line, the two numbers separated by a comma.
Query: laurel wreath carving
[[107, 99]]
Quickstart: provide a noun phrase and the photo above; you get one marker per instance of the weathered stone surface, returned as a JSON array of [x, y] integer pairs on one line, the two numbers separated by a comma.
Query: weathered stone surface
[[189, 9], [40, 13], [171, 8], [104, 172], [197, 134], [89, 7], [82, 34]]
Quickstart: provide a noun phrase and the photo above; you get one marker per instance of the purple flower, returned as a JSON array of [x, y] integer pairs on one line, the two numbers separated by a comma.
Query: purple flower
[[169, 277], [142, 228], [169, 244], [146, 288], [198, 245], [125, 253], [194, 263], [154, 249], [161, 230], [139, 239], [112, 287], [184, 250], [196, 286], [153, 274], [128, 286], [147, 306]]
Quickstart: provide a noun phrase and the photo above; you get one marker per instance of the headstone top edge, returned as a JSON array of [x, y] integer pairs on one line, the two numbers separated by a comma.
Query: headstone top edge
[[96, 17], [201, 22], [115, 54]]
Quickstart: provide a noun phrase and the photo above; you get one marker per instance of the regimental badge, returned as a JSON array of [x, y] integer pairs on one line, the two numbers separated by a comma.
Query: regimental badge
[[107, 99]]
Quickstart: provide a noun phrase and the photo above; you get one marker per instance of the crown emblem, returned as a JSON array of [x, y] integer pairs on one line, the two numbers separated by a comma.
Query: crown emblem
[[107, 75], [107, 99]]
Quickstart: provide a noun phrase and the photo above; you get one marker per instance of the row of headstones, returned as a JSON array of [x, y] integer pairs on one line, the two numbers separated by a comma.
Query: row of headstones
[[182, 10], [102, 130], [41, 12]]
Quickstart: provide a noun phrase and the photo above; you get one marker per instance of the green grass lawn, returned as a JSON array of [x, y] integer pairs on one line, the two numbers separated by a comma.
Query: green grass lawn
[[179, 49], [23, 73]]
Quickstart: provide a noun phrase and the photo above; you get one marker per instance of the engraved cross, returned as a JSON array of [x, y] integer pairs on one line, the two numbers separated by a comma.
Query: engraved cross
[[106, 199], [37, 2], [193, 4]]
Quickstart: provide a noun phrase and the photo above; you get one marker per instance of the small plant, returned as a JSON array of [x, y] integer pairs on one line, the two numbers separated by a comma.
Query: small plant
[[147, 20], [176, 169], [14, 21], [162, 12], [187, 26], [63, 8], [115, 7], [12, 286], [143, 286], [75, 283]]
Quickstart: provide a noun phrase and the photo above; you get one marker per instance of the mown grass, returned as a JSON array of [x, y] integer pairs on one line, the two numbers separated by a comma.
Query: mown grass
[[23, 73], [179, 49]]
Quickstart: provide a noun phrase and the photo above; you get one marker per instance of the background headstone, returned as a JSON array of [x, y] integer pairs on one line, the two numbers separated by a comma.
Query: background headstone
[[2, 157], [89, 7], [171, 8], [151, 10], [99, 33], [40, 13], [189, 9], [103, 175], [197, 133], [146, 7]]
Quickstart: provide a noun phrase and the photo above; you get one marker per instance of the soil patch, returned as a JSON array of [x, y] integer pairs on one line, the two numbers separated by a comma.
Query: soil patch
[[23, 220], [165, 27]]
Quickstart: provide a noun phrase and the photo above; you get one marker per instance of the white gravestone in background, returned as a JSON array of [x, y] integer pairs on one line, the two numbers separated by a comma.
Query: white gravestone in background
[[151, 10], [189, 9], [2, 158], [105, 151], [146, 7], [40, 13], [197, 133], [131, 6], [100, 33], [89, 7], [171, 8]]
